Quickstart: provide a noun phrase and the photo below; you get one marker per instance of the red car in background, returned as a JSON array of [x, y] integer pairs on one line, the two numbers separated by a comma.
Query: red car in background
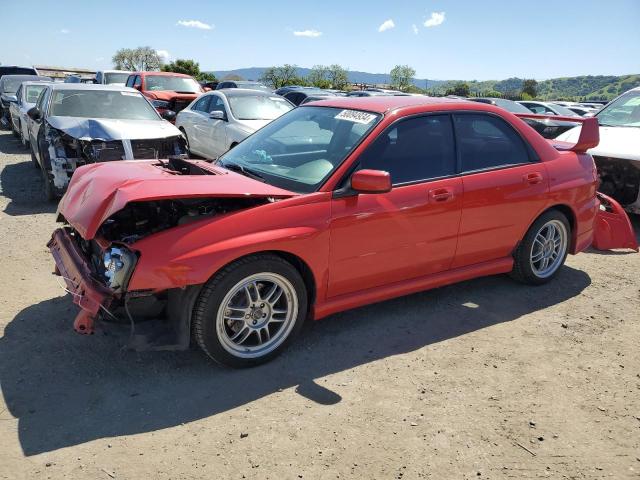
[[334, 205], [168, 92]]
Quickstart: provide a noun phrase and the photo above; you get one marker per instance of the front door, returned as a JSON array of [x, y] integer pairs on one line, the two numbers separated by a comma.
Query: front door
[[409, 232]]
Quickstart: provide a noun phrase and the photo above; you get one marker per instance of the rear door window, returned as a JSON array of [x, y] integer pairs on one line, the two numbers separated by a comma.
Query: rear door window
[[486, 141]]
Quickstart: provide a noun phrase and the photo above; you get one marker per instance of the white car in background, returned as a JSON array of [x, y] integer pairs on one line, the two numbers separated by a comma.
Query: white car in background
[[112, 77], [617, 156], [26, 98], [548, 108], [220, 119]]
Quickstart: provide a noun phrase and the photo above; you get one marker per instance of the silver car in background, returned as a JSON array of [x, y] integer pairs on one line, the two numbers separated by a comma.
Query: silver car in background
[[26, 98], [220, 119]]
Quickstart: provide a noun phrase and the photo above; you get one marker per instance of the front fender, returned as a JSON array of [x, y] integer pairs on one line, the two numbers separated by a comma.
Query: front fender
[[192, 253]]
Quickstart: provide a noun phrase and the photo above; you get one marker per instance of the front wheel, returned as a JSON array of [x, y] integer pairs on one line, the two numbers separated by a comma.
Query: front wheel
[[543, 249], [250, 311]]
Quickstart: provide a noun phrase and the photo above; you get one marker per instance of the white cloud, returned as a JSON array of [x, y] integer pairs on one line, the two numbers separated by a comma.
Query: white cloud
[[386, 25], [195, 24], [437, 18], [414, 29], [307, 33], [64, 31], [164, 55]]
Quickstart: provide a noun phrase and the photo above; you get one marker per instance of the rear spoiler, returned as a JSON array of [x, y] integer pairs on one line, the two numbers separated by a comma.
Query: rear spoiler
[[589, 133]]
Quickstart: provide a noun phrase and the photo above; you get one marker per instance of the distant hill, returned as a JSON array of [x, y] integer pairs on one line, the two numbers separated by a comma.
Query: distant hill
[[591, 87]]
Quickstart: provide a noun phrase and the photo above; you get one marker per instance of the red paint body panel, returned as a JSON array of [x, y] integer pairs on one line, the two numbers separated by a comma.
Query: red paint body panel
[[359, 248], [613, 228], [102, 189], [86, 292]]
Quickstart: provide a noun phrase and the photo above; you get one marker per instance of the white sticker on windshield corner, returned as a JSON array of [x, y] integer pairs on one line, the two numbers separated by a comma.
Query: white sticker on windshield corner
[[130, 94], [355, 116]]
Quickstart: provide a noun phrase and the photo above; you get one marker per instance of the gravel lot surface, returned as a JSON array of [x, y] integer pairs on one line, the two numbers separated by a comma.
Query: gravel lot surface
[[484, 379]]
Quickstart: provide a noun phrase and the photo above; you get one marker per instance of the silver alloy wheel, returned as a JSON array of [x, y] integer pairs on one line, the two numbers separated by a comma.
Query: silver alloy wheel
[[548, 249], [256, 316]]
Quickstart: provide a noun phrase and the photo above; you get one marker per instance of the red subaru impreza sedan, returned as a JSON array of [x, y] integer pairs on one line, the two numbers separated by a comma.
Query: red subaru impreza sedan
[[334, 205]]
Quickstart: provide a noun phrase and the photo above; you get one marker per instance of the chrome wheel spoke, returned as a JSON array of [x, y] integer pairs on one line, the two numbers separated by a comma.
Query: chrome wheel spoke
[[257, 315], [548, 248], [242, 335]]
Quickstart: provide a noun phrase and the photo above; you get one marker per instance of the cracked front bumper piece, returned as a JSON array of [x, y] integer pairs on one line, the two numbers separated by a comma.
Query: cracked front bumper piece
[[89, 294]]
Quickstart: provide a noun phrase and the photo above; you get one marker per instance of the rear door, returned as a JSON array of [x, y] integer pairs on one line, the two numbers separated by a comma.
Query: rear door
[[505, 187], [409, 232]]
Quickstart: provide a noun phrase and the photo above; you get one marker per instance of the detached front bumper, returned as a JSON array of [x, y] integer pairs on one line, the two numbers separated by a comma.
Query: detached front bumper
[[71, 264]]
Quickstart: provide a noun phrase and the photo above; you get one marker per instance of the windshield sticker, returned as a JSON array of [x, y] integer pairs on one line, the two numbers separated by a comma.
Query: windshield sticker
[[130, 94], [355, 116]]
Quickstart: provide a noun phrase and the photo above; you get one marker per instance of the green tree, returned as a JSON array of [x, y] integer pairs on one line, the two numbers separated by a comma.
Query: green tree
[[338, 77], [402, 76], [530, 87], [187, 67], [318, 76], [137, 59], [460, 89], [281, 76], [206, 77]]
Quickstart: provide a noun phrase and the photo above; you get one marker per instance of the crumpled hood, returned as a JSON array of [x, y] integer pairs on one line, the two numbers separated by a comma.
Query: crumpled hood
[[110, 129], [615, 142], [99, 190]]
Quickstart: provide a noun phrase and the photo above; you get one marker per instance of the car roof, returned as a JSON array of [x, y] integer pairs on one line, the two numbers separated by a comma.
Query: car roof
[[36, 82], [115, 71], [386, 103], [90, 86], [164, 74]]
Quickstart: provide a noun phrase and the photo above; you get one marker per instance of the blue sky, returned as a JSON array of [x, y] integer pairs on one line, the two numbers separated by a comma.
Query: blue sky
[[464, 39]]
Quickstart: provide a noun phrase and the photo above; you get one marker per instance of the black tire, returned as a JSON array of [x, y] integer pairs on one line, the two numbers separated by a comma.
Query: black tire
[[49, 189], [34, 160], [216, 289], [523, 270]]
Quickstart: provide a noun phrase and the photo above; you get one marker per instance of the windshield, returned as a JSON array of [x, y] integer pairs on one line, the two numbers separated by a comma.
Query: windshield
[[115, 77], [177, 84], [32, 92], [299, 150], [102, 104], [622, 112], [257, 107], [10, 85]]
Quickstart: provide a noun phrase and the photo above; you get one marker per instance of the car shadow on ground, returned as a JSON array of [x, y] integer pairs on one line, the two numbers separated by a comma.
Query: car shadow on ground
[[9, 144], [21, 184], [66, 389]]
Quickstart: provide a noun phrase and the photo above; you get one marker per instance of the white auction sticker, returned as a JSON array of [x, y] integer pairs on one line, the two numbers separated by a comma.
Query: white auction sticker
[[355, 116], [130, 94]]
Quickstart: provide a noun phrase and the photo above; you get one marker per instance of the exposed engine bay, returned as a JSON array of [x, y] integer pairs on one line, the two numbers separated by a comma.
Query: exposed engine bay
[[620, 179], [140, 219], [67, 153]]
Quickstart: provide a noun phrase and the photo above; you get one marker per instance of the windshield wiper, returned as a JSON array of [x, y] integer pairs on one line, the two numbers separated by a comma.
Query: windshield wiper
[[247, 172]]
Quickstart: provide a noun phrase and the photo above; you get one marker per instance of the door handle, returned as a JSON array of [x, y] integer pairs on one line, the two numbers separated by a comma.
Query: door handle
[[533, 178], [440, 195]]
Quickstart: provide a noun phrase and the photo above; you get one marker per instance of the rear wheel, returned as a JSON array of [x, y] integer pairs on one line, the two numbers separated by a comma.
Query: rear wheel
[[250, 311], [543, 249]]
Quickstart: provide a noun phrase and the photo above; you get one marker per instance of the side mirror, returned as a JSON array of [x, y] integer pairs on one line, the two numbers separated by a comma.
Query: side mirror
[[34, 113], [371, 181], [169, 115], [138, 87], [217, 115]]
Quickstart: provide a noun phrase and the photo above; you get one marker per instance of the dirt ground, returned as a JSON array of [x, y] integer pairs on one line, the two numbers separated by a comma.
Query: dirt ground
[[484, 379]]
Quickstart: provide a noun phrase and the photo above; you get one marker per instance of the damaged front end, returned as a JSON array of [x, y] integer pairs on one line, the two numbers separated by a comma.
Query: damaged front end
[[100, 247], [66, 152]]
